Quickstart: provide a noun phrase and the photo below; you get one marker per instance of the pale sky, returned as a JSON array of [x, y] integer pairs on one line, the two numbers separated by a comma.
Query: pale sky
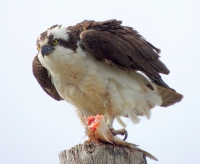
[[34, 128]]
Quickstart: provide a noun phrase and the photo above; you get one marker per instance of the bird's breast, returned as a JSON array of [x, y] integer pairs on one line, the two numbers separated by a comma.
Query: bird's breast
[[78, 79], [84, 91]]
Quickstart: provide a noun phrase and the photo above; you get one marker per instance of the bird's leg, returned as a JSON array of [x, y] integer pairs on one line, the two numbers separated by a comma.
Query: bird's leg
[[109, 121], [114, 132], [111, 103]]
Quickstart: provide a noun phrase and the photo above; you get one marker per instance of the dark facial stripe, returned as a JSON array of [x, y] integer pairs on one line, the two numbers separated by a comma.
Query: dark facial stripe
[[71, 43]]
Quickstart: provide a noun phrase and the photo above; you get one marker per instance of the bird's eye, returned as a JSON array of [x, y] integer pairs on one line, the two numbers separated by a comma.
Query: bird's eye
[[38, 47], [55, 42]]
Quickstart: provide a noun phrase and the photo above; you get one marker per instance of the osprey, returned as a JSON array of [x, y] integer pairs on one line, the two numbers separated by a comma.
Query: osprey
[[102, 68]]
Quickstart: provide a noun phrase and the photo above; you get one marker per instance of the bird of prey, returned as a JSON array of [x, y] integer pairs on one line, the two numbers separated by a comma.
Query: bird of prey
[[102, 68]]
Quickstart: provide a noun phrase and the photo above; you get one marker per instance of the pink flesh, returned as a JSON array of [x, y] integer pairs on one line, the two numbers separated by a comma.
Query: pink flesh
[[91, 121]]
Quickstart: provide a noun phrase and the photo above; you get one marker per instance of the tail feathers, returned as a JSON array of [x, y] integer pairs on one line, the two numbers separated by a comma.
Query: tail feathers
[[169, 96]]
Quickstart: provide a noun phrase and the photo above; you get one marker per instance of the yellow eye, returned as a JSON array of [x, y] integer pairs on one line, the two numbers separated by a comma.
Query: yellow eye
[[38, 47], [55, 42]]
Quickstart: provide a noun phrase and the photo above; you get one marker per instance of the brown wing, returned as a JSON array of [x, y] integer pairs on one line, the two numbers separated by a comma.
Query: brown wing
[[113, 43], [44, 80]]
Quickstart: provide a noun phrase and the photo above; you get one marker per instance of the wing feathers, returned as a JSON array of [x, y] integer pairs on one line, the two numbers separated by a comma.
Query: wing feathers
[[123, 46], [43, 79]]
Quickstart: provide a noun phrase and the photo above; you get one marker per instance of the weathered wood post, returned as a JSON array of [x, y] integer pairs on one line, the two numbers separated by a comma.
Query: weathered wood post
[[101, 153]]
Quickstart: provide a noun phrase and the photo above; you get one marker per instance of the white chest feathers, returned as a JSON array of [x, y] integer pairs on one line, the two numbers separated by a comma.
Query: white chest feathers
[[97, 87]]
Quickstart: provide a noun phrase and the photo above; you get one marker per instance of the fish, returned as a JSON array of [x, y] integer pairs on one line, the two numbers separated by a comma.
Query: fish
[[98, 131]]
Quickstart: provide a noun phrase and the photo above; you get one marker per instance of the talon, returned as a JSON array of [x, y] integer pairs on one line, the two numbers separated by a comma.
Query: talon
[[125, 136], [121, 132]]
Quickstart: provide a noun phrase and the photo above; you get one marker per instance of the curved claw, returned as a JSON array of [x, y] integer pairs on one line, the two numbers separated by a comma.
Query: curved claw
[[125, 136], [121, 132]]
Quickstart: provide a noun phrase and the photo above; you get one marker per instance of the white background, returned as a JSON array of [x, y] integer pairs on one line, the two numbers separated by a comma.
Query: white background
[[34, 128]]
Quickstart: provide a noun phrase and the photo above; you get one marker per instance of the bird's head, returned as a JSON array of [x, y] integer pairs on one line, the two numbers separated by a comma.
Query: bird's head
[[55, 45], [53, 39]]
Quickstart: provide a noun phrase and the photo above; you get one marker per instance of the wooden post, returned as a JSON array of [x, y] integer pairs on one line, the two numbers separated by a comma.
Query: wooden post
[[101, 153]]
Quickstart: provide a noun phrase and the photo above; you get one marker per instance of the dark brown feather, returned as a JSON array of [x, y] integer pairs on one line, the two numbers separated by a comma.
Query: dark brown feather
[[111, 42], [44, 80]]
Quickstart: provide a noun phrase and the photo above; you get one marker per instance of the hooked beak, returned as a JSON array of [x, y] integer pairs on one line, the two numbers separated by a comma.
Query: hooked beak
[[46, 50]]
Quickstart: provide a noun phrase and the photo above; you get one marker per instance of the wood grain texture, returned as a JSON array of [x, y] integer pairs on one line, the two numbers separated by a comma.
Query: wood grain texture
[[101, 153]]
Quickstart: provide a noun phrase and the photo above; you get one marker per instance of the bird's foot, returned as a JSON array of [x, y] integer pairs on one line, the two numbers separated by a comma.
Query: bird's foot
[[120, 131]]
